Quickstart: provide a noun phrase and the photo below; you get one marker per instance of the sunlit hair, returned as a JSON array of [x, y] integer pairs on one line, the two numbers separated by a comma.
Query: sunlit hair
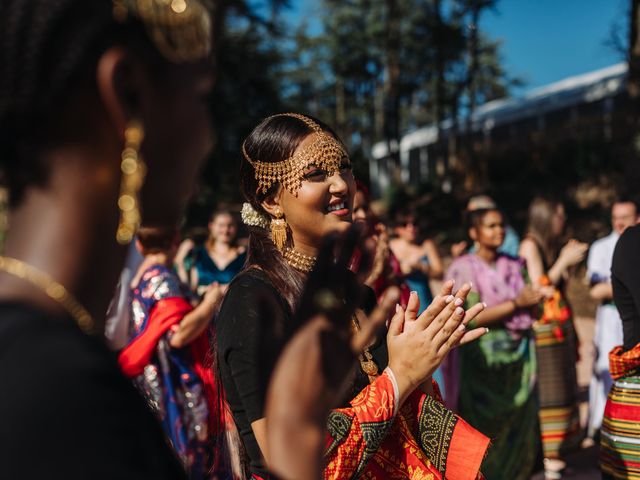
[[157, 239], [541, 213]]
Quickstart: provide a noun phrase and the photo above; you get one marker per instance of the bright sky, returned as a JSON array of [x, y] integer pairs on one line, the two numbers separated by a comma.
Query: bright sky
[[544, 40]]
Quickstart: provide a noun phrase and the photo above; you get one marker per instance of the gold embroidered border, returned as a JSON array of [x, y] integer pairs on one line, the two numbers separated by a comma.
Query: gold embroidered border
[[435, 431]]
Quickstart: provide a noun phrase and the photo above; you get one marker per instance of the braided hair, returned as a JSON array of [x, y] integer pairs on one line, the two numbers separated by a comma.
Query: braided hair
[[48, 49]]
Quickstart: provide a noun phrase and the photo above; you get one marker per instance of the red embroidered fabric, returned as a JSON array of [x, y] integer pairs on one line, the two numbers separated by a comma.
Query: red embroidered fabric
[[422, 441]]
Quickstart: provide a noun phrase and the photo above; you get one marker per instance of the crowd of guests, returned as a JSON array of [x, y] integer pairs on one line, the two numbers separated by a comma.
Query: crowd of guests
[[516, 384], [311, 348]]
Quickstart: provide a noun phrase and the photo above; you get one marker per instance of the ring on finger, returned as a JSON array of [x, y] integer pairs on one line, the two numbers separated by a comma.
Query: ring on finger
[[326, 300]]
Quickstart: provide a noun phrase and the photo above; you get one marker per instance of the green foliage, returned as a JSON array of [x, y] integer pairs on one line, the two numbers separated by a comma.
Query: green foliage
[[376, 69]]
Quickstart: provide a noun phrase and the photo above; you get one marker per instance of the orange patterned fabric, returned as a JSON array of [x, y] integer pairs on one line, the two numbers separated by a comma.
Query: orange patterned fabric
[[624, 364], [555, 310], [421, 441]]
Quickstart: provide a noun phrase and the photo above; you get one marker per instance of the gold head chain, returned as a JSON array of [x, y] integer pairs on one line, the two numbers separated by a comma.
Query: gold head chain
[[180, 29], [324, 152]]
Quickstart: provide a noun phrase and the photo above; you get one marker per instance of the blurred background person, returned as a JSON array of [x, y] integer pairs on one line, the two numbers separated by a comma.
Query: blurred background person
[[419, 258], [548, 267], [608, 331], [116, 328], [218, 260], [420, 262], [620, 432], [166, 356], [511, 244], [384, 268], [492, 381]]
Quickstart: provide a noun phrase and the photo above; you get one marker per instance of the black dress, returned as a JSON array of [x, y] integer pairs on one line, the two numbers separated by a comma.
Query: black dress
[[249, 345], [67, 412], [625, 278]]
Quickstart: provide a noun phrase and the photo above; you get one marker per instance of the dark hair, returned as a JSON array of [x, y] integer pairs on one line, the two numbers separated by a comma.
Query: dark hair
[[157, 239], [362, 188], [474, 218], [627, 199], [401, 218], [48, 50], [273, 140], [541, 212]]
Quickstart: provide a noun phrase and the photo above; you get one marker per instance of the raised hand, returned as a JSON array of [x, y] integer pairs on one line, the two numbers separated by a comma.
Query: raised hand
[[310, 376], [573, 253], [418, 344], [529, 297]]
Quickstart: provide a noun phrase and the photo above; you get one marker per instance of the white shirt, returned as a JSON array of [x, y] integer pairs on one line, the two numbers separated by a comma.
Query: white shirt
[[600, 259], [608, 331]]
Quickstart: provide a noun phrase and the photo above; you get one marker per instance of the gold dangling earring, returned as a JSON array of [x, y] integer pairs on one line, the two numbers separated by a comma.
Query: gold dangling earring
[[134, 171], [279, 230]]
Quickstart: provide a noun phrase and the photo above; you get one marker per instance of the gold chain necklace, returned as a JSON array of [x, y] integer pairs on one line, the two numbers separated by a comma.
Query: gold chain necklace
[[299, 261], [54, 290], [367, 364]]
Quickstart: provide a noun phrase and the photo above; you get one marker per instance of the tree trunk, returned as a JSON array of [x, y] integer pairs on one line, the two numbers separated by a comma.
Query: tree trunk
[[633, 84], [633, 90], [341, 110], [474, 171], [441, 100], [392, 80]]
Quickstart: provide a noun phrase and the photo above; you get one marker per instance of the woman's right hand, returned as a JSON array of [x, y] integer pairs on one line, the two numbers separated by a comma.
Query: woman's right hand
[[573, 253], [213, 293], [417, 346], [528, 297]]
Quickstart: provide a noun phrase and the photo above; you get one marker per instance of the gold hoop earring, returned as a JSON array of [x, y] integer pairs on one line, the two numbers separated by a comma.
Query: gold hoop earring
[[134, 171], [279, 230]]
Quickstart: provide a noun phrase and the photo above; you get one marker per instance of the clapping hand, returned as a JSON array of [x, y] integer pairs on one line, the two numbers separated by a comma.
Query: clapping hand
[[418, 344], [311, 374]]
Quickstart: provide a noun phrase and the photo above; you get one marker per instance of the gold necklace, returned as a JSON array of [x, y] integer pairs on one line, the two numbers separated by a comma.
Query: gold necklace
[[367, 364], [54, 290], [299, 261]]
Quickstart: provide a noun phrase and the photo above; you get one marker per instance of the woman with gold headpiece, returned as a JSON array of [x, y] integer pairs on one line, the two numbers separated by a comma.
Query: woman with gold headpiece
[[88, 89], [296, 176]]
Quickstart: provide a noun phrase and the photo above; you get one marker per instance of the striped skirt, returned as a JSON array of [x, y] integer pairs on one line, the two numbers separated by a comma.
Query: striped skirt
[[557, 387], [620, 434]]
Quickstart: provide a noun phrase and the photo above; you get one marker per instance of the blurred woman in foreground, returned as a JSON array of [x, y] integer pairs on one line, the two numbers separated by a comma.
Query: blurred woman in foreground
[[100, 116]]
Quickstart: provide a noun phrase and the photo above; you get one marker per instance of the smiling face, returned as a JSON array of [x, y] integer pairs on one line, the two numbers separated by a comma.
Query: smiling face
[[323, 204], [489, 232], [623, 216], [361, 210], [223, 228], [408, 230]]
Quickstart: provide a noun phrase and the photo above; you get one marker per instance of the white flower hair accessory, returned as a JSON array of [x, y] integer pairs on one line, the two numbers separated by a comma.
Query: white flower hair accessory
[[253, 218]]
